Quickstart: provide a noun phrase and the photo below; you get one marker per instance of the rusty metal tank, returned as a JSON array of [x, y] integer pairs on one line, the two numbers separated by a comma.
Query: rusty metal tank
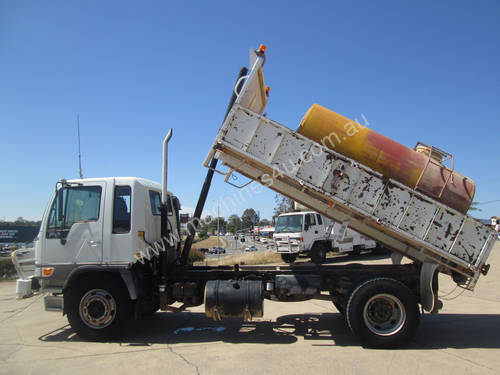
[[420, 168]]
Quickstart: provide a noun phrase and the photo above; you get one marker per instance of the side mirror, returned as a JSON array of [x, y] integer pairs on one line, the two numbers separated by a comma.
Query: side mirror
[[60, 213], [169, 206], [176, 204], [307, 222]]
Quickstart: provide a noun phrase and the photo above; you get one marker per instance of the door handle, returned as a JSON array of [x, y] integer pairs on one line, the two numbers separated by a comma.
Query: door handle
[[94, 243]]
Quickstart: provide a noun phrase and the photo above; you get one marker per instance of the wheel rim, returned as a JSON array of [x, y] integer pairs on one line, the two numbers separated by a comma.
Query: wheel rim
[[97, 308], [384, 314]]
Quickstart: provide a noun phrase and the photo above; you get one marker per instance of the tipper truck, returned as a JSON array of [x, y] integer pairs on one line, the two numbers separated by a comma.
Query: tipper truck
[[109, 249]]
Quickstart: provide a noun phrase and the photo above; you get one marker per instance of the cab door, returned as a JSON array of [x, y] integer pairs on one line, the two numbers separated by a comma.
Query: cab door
[[310, 229], [74, 230]]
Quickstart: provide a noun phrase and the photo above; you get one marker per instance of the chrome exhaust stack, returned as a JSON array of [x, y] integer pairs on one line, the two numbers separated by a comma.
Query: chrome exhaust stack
[[164, 192]]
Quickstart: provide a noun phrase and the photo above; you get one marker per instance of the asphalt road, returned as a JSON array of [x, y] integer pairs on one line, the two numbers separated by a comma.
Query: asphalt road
[[293, 338], [236, 247]]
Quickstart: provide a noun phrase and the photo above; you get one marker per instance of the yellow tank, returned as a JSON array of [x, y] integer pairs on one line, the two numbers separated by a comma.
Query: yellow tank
[[388, 157]]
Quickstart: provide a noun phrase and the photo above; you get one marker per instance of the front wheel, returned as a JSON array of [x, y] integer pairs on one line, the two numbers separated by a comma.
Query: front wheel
[[383, 313], [356, 250], [318, 253], [98, 308], [288, 257]]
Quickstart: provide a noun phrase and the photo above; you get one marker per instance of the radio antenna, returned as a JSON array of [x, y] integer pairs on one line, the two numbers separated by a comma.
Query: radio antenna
[[79, 153]]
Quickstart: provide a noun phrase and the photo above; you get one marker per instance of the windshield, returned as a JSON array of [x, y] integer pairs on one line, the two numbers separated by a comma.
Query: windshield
[[289, 223]]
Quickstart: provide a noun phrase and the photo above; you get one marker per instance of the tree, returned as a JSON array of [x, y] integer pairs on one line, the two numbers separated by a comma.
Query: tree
[[474, 206], [212, 226], [249, 218], [282, 205], [202, 234], [20, 222], [474, 209], [264, 222], [206, 221], [233, 223]]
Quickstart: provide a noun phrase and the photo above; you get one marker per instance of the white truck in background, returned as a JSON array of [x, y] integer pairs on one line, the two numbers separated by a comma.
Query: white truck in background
[[345, 239], [308, 232]]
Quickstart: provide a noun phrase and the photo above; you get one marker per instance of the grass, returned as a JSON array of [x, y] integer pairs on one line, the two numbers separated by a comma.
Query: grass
[[245, 259], [210, 242], [7, 270], [195, 255]]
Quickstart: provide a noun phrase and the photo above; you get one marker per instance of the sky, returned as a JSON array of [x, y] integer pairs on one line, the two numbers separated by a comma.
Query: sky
[[418, 71]]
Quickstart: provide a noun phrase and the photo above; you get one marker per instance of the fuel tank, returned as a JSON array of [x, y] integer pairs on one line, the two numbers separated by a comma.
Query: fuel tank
[[420, 169]]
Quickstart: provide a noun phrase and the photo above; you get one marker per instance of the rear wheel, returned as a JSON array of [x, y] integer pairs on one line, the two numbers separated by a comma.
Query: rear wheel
[[288, 257], [98, 308], [383, 313]]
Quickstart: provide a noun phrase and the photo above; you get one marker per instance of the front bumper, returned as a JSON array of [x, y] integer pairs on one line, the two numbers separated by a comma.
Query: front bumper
[[290, 247]]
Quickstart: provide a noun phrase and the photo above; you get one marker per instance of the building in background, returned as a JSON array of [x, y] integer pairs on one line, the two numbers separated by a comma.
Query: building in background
[[20, 234], [263, 230], [184, 219]]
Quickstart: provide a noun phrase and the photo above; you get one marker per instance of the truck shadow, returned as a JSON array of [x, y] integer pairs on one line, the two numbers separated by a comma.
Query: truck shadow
[[459, 331]]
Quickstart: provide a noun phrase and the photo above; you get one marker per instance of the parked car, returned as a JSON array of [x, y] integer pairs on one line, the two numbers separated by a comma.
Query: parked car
[[217, 250], [263, 240], [203, 249], [250, 248]]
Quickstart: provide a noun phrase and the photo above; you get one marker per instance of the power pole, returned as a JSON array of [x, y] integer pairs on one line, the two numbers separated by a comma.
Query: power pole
[[218, 231], [218, 224]]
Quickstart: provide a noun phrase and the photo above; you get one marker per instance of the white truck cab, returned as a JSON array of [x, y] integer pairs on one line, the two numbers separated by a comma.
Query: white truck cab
[[98, 222], [301, 232]]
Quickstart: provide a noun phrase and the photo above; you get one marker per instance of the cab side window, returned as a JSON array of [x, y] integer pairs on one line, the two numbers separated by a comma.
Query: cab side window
[[154, 199], [121, 209], [320, 220], [313, 220]]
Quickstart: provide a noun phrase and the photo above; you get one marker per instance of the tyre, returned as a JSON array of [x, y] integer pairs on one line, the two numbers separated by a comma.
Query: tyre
[[381, 250], [288, 257], [318, 253], [383, 313], [150, 312], [98, 308], [150, 308], [356, 250]]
